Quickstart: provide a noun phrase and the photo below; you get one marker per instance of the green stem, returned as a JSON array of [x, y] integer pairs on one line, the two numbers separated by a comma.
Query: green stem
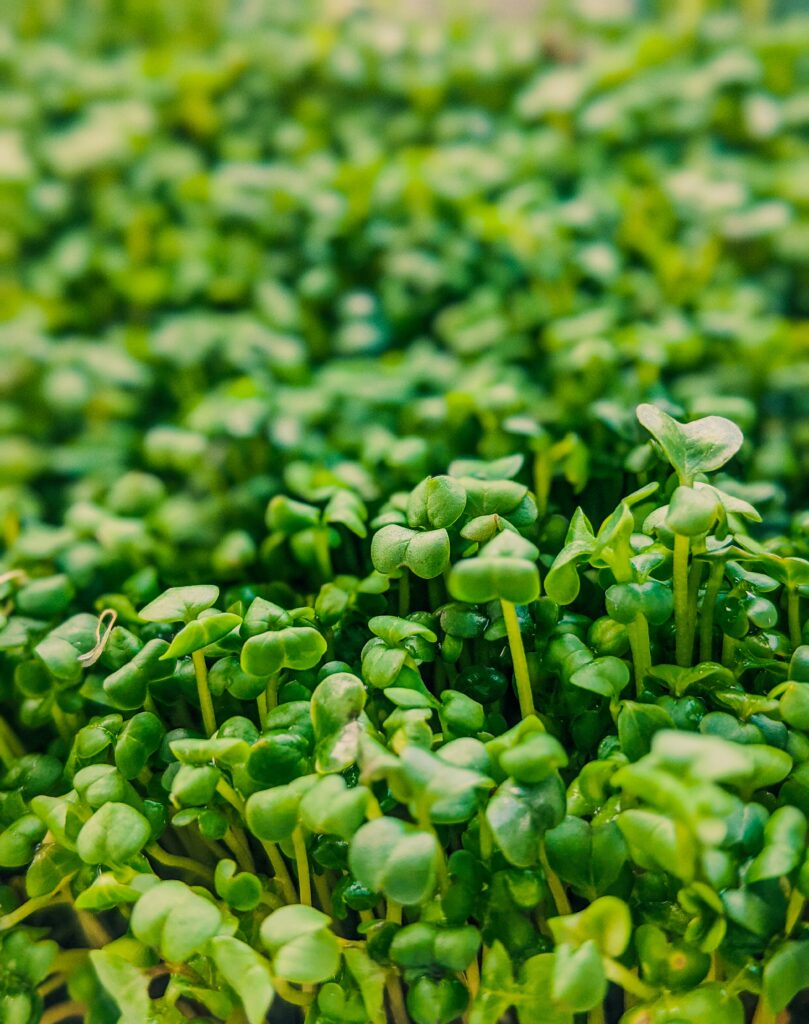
[[205, 702], [794, 616], [694, 581], [435, 592], [521, 676], [729, 645], [268, 700], [404, 593], [31, 906], [542, 481], [596, 1015], [638, 632], [290, 994], [323, 894], [282, 875], [629, 981], [63, 1011], [557, 890], [302, 864], [795, 907], [10, 747], [708, 607], [682, 613], [186, 864], [393, 987], [763, 1014]]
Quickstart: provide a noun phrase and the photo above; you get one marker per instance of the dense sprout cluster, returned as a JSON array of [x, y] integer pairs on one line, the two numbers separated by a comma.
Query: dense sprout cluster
[[367, 651]]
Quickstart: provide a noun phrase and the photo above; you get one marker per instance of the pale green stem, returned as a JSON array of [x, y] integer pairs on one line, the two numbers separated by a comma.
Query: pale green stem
[[638, 632], [797, 902], [171, 860], [557, 890], [629, 981], [682, 613], [10, 747], [396, 1002], [205, 702], [794, 616], [302, 864], [763, 1014], [404, 593], [31, 906], [542, 481], [596, 1015], [323, 894], [708, 607], [268, 700], [521, 677], [279, 866]]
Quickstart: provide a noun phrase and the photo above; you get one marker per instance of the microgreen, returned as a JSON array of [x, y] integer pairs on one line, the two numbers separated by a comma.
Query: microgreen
[[367, 652]]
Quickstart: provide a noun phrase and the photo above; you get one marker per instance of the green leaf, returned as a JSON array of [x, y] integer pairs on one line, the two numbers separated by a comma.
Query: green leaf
[[180, 604], [498, 990], [370, 979], [127, 984], [699, 447], [438, 501], [332, 808], [247, 973], [519, 815], [389, 856], [337, 705], [114, 834], [425, 554], [579, 982], [303, 948], [606, 922], [201, 632], [296, 647], [174, 920], [785, 974]]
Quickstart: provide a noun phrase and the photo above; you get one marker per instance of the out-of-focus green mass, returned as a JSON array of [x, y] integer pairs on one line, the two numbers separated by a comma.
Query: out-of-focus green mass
[[236, 236]]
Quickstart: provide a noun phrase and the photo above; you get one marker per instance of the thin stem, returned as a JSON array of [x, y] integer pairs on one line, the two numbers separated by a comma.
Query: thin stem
[[729, 645], [268, 700], [630, 982], [473, 978], [763, 1014], [558, 894], [171, 860], [396, 1002], [435, 592], [31, 907], [236, 841], [596, 1015], [225, 789], [10, 747], [205, 702], [542, 481], [302, 864], [290, 994], [795, 907], [521, 676], [794, 617], [694, 581], [323, 894], [282, 875], [681, 610], [393, 912], [404, 593], [94, 931], [63, 1011], [638, 632], [712, 589]]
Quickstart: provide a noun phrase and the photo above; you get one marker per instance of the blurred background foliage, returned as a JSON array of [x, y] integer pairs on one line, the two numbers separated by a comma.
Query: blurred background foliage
[[252, 247]]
